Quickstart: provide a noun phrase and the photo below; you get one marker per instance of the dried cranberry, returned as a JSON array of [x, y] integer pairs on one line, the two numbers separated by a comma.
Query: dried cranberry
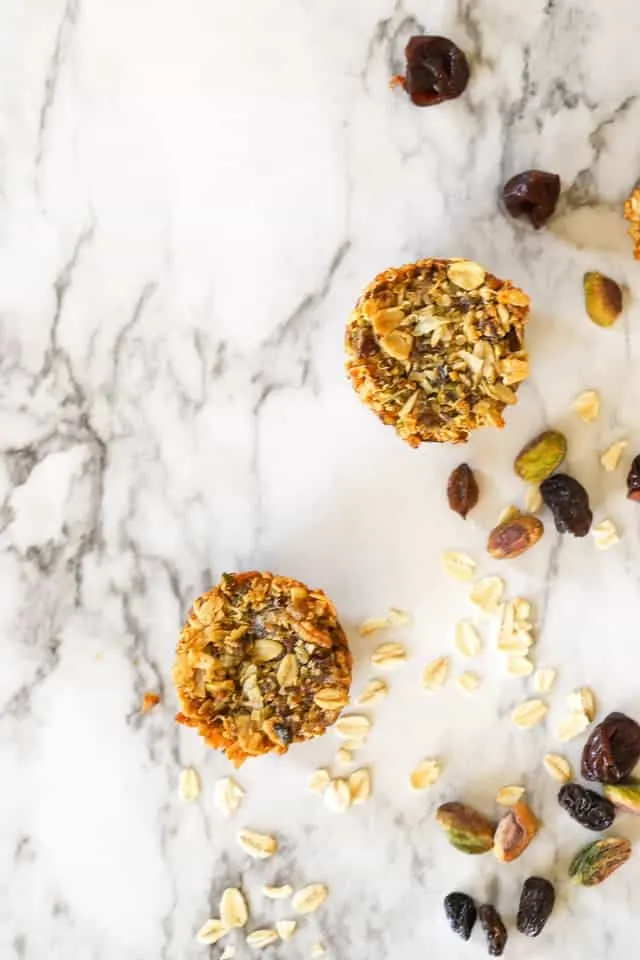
[[532, 194], [569, 503], [437, 70], [589, 808], [633, 480], [612, 750]]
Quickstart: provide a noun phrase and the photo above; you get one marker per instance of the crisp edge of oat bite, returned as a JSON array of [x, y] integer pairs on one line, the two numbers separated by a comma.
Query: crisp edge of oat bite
[[310, 618], [373, 316], [632, 215]]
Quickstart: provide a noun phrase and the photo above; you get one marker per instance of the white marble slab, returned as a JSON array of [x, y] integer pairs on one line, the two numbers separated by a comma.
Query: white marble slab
[[192, 195]]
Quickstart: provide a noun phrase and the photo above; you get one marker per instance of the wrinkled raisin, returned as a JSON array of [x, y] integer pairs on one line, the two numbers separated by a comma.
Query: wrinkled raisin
[[494, 928], [633, 480], [462, 490], [569, 503], [461, 913], [532, 194], [536, 905], [589, 808], [437, 70], [612, 750]]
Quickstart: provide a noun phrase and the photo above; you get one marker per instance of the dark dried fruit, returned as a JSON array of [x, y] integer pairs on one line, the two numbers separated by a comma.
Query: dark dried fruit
[[515, 832], [437, 70], [589, 808], [494, 928], [597, 861], [536, 905], [569, 503], [633, 480], [612, 750], [532, 194], [461, 913], [602, 299], [514, 537], [462, 490]]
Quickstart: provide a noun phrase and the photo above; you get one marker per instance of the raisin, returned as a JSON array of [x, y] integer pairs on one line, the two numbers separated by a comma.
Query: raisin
[[283, 732], [437, 70], [612, 750], [462, 490], [569, 503], [494, 928], [461, 913], [536, 905], [587, 807], [633, 480], [532, 194]]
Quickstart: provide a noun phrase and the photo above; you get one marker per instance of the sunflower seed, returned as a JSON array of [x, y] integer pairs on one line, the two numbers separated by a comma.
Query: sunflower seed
[[587, 406], [309, 898], [558, 768], [508, 796], [359, 786], [533, 499], [212, 931], [286, 928], [610, 459], [228, 795], [282, 892], [257, 845], [424, 775], [458, 565], [468, 681], [374, 691], [189, 785], [337, 796], [233, 908], [435, 674], [467, 639], [529, 713], [260, 939], [389, 655], [544, 679], [353, 726]]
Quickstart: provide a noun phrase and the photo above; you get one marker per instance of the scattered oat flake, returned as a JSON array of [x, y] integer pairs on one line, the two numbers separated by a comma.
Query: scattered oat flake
[[374, 691], [424, 775], [575, 724], [509, 796], [610, 459], [283, 892], [529, 713], [233, 908], [468, 681], [558, 768], [605, 535], [286, 928], [212, 931], [337, 796], [360, 785], [544, 679], [519, 666], [467, 639], [354, 744], [458, 565], [228, 952], [587, 406], [149, 701], [533, 499], [395, 618], [227, 795], [189, 785], [319, 780], [353, 726], [260, 939], [257, 845], [309, 898], [583, 701], [344, 757], [435, 674], [487, 594], [389, 655], [318, 950]]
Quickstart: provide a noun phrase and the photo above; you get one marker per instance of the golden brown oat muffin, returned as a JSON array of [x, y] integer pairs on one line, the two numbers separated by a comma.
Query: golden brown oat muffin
[[436, 349], [262, 662], [632, 214]]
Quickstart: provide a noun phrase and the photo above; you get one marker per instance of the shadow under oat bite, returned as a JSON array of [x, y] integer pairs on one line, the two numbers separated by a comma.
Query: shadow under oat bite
[[262, 662], [436, 349]]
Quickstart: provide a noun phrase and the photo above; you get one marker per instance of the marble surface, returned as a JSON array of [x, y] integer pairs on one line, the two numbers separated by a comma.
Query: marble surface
[[191, 197]]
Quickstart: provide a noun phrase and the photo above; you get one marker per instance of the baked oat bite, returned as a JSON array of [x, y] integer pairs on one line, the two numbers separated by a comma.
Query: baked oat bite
[[436, 349], [262, 662], [632, 214]]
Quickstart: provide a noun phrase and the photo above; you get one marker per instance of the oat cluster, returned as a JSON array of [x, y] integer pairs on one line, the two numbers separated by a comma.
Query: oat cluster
[[262, 662], [436, 349]]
